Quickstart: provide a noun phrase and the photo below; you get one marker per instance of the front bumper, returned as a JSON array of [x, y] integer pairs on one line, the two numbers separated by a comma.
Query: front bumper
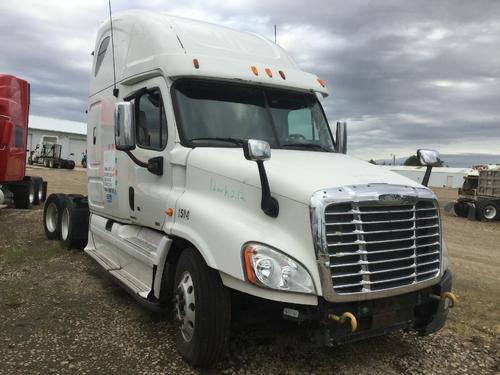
[[416, 311]]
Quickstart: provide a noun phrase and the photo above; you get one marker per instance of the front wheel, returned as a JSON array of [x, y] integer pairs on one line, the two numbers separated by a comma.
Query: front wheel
[[461, 209], [202, 309]]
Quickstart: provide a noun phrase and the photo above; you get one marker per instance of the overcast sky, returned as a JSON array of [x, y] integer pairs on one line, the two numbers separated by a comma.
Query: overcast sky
[[403, 74]]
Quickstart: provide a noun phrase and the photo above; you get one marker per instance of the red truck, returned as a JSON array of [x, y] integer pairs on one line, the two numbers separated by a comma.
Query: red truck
[[15, 187]]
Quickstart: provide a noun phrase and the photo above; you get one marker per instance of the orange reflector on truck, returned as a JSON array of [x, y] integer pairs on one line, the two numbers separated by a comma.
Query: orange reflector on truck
[[255, 71], [282, 74], [269, 73], [321, 82]]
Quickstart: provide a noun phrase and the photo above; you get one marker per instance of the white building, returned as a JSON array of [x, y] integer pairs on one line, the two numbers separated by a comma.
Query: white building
[[71, 135], [440, 176]]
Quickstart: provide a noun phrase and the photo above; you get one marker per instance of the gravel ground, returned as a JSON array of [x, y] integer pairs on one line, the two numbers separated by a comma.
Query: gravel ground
[[60, 314]]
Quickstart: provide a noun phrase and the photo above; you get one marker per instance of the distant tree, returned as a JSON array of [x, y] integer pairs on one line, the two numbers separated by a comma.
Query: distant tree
[[412, 161], [372, 162]]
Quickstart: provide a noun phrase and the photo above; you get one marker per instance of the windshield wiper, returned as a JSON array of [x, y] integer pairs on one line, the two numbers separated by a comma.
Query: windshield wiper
[[236, 141], [305, 145]]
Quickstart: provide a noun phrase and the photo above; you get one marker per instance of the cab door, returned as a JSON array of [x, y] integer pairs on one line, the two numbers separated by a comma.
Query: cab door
[[148, 191]]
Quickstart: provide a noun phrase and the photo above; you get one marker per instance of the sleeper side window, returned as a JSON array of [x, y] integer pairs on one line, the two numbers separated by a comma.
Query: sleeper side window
[[100, 54], [151, 122]]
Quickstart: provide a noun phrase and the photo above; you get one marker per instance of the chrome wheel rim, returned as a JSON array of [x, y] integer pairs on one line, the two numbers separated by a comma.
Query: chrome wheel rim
[[185, 306], [51, 217], [65, 224], [490, 212], [32, 194]]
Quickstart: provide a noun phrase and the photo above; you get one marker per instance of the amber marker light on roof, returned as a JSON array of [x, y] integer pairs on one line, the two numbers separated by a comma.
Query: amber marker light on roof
[[269, 73], [255, 71], [282, 74], [196, 63], [169, 211], [321, 82]]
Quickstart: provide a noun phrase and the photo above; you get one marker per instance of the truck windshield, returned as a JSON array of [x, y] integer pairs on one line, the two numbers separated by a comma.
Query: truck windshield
[[223, 115]]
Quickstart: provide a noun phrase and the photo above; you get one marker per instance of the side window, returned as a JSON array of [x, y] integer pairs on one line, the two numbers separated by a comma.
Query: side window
[[100, 54], [18, 137], [151, 122], [300, 124]]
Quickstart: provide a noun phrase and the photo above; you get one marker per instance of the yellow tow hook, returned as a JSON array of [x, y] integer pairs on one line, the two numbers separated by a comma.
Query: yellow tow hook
[[341, 319], [446, 296]]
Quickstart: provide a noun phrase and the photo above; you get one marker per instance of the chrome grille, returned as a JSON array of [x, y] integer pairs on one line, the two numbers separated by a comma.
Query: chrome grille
[[373, 247]]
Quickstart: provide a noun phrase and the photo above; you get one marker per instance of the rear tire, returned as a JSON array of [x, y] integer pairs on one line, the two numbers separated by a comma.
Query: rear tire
[[24, 195], [52, 216], [202, 309], [38, 190], [45, 185], [70, 164], [46, 163], [488, 210], [461, 209], [74, 223]]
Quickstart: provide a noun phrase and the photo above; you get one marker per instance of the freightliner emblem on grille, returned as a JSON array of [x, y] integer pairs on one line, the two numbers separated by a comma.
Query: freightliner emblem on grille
[[397, 199]]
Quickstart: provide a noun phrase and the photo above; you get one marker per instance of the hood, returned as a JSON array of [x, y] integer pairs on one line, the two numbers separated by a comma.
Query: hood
[[294, 174]]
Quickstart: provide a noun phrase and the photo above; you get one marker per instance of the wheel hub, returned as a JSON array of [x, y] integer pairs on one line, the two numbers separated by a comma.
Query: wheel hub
[[184, 305], [51, 217], [490, 212]]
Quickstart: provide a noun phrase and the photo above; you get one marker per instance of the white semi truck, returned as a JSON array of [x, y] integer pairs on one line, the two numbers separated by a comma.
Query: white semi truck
[[212, 169]]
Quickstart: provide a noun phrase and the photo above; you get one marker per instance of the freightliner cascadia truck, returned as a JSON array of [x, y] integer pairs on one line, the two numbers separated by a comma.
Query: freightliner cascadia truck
[[16, 188], [212, 169]]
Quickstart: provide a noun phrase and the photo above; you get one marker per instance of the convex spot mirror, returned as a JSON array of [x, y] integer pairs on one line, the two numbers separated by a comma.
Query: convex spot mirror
[[124, 126], [341, 138], [257, 150], [428, 157]]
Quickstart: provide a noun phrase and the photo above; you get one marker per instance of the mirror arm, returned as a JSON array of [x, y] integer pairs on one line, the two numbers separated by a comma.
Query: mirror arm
[[427, 175], [268, 204], [135, 160], [154, 165]]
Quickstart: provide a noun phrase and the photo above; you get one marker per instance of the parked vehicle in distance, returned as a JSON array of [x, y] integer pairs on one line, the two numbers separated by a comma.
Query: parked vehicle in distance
[[84, 159], [212, 169], [479, 196], [15, 187], [48, 153]]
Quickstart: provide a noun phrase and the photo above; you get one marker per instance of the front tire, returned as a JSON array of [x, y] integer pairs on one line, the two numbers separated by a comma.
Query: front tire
[[202, 309]]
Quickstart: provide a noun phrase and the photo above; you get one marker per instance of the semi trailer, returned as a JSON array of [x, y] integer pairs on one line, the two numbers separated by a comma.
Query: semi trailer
[[212, 171], [15, 187]]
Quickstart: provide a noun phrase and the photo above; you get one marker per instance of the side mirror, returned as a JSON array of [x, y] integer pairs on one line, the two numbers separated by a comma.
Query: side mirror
[[124, 126], [341, 138], [5, 132], [259, 151], [428, 157], [256, 150]]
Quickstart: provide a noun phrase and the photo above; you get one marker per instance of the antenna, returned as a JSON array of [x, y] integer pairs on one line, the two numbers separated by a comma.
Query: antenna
[[274, 33], [115, 90]]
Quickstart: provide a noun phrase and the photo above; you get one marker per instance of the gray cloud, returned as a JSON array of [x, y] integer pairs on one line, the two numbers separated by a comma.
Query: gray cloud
[[404, 74]]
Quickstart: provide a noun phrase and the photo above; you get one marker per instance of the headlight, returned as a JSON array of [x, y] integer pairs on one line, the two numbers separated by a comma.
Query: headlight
[[444, 256], [269, 268]]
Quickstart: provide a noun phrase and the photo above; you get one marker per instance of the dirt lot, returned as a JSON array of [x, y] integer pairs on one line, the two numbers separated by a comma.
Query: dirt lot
[[60, 314]]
